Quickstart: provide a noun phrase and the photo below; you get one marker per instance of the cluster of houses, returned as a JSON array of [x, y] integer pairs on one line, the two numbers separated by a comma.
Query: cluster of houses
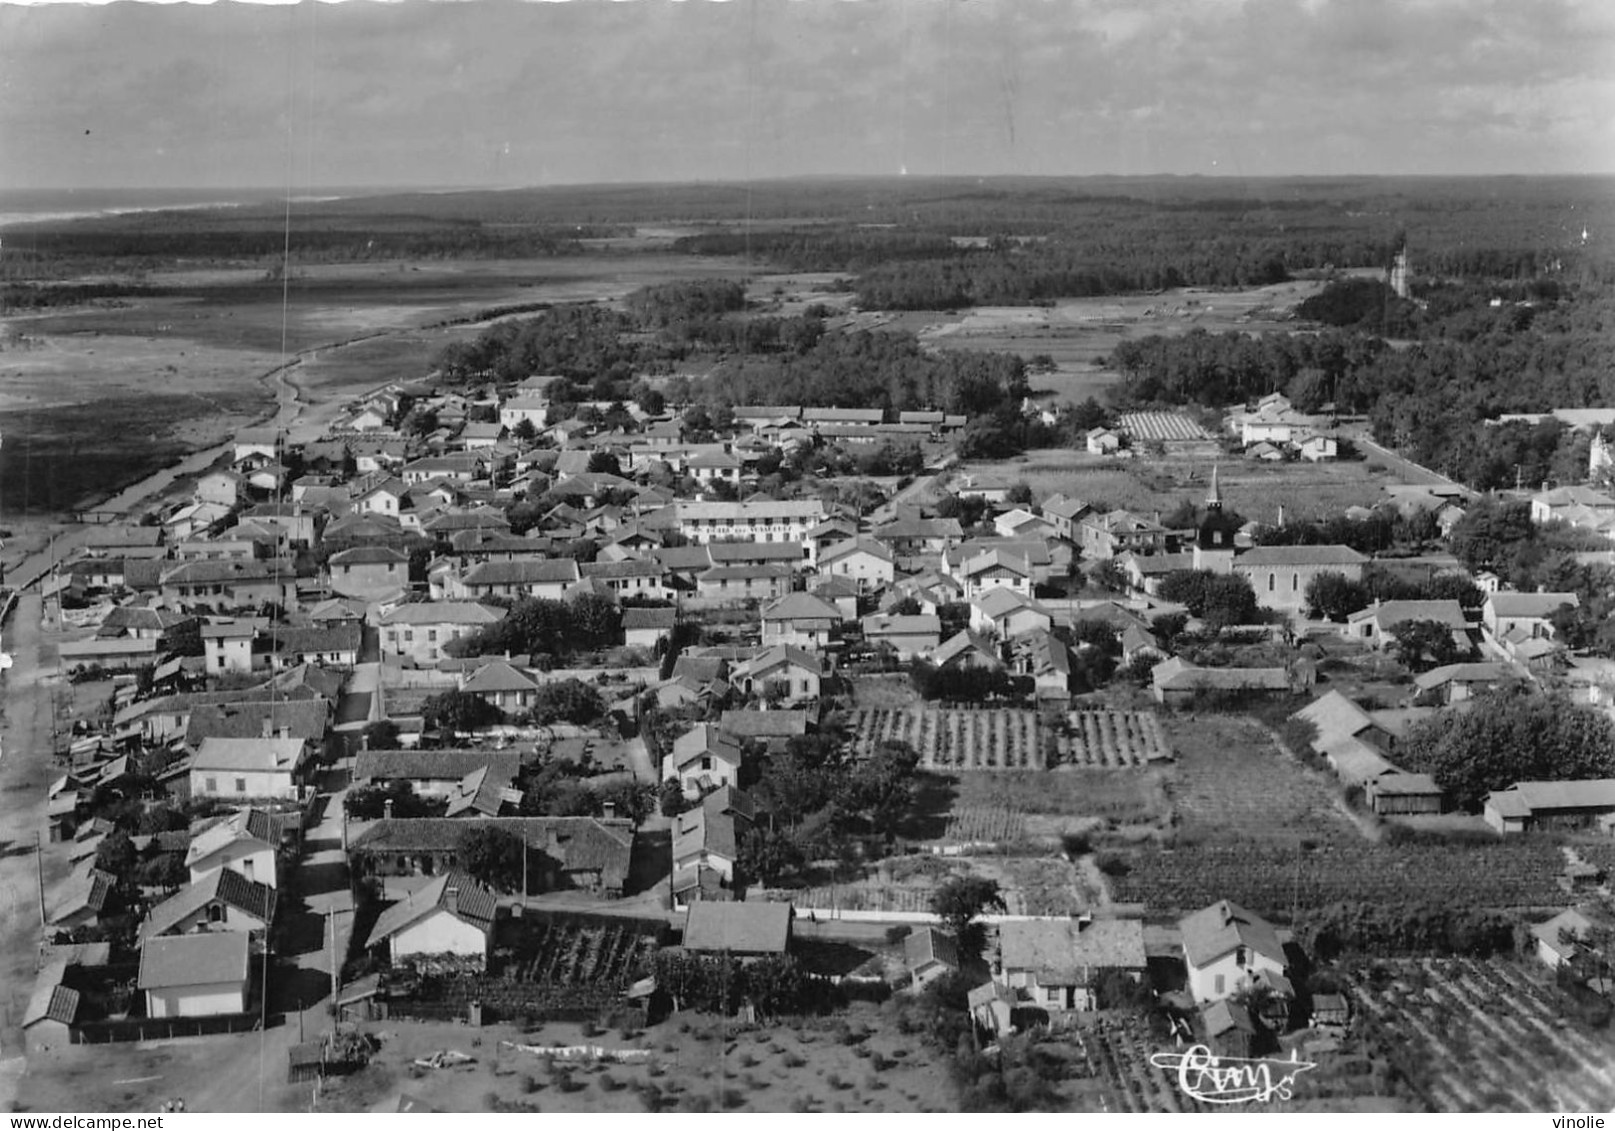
[[247, 611], [1274, 430]]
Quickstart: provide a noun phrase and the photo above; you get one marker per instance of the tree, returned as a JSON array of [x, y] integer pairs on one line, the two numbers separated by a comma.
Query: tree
[[604, 463], [567, 701], [1511, 734], [381, 735], [962, 900], [1334, 596], [881, 787], [1020, 494], [456, 710], [525, 431], [185, 638], [492, 856], [769, 855], [1425, 644]]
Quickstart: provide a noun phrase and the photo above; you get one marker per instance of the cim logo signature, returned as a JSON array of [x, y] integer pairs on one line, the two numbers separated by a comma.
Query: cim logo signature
[[1231, 1079]]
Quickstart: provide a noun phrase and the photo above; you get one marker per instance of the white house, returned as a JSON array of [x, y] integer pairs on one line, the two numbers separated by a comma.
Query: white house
[[790, 671], [244, 842], [529, 407], [453, 914], [801, 619], [194, 975], [246, 768], [784, 520], [419, 631], [703, 758], [227, 645], [1225, 947], [1102, 442], [1055, 963], [864, 560]]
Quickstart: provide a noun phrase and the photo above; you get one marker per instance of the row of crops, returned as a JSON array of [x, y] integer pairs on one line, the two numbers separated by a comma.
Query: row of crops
[[1003, 739], [545, 966], [1270, 878], [1481, 1035], [1113, 738], [1116, 1053]]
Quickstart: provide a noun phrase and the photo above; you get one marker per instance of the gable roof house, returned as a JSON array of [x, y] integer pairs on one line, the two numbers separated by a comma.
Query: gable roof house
[[647, 628], [1175, 682], [800, 619], [744, 930], [195, 975], [453, 914], [418, 631], [866, 561], [52, 1009], [243, 768], [1055, 963], [1007, 613], [1374, 623], [783, 670], [222, 900], [995, 569], [548, 578], [702, 759], [1528, 614], [706, 845], [577, 853], [245, 842], [908, 636], [1530, 805], [929, 954], [1225, 947]]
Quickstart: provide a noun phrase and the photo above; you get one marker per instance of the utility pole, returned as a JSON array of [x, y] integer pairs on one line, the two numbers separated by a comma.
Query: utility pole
[[39, 869]]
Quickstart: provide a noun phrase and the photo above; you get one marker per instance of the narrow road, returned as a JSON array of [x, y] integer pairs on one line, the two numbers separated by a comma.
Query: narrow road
[[25, 770]]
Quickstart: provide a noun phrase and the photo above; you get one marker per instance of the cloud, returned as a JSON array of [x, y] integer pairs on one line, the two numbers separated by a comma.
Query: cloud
[[433, 93]]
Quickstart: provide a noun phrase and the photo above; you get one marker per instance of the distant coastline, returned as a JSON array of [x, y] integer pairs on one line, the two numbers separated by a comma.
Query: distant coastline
[[38, 206]]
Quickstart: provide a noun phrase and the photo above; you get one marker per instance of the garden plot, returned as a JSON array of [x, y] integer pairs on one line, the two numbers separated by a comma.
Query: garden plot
[[1113, 738], [1482, 1035], [953, 740]]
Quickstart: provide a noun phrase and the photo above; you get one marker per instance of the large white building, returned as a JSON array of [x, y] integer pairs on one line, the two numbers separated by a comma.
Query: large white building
[[783, 520]]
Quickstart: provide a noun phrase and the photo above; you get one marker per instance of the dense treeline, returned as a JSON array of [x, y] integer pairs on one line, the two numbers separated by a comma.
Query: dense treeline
[[43, 297], [1428, 400], [888, 370], [152, 239]]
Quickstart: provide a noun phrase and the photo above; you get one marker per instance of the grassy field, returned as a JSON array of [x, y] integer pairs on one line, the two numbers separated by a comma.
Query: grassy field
[[1231, 781], [1255, 490]]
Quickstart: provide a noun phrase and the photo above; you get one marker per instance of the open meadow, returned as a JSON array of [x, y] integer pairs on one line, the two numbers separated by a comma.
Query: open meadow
[[1146, 484]]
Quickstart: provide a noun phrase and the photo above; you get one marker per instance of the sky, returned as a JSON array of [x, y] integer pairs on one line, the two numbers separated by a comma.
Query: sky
[[517, 92]]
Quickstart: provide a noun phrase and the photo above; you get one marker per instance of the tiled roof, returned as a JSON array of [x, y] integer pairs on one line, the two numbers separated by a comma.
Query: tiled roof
[[442, 612], [764, 724], [497, 676], [1214, 931], [524, 571], [430, 765], [51, 1000], [210, 958], [1062, 951], [473, 903], [303, 719], [580, 844], [259, 754], [247, 896], [745, 928], [1286, 556], [800, 606]]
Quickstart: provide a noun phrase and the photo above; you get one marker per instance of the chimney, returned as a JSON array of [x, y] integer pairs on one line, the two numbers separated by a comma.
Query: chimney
[[451, 900], [608, 810], [285, 730], [387, 809], [269, 727]]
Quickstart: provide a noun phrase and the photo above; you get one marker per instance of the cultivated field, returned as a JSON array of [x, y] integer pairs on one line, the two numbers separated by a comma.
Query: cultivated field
[[947, 740], [1113, 738], [1146, 426], [1232, 783], [1483, 1035]]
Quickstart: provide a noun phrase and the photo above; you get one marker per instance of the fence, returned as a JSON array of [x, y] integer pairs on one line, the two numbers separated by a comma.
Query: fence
[[161, 1028]]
